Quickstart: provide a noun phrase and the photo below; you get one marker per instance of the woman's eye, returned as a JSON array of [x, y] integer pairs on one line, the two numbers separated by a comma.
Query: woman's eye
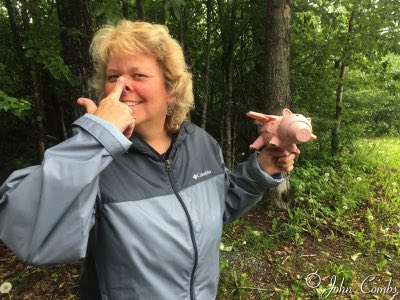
[[138, 75], [112, 78]]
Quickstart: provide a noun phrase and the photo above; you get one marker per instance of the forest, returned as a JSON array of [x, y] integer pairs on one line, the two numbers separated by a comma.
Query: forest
[[338, 62]]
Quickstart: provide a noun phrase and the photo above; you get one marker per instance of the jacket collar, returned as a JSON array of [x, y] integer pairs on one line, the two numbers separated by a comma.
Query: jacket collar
[[140, 146]]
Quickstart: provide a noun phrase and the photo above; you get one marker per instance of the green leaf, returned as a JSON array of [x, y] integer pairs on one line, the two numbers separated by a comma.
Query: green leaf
[[18, 107], [355, 256], [224, 248]]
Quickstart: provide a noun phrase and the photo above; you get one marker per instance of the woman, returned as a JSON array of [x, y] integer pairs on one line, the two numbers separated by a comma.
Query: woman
[[138, 192]]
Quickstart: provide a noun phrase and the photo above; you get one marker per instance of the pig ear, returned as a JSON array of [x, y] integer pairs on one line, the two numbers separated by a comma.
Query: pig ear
[[286, 112]]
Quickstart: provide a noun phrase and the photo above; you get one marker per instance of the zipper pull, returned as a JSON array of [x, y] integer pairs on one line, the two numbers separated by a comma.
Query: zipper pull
[[168, 165]]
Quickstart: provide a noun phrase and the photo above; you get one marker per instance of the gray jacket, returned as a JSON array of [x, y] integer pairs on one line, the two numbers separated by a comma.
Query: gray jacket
[[149, 227]]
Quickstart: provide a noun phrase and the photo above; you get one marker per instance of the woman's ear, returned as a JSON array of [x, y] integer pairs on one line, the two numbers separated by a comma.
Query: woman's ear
[[171, 100], [170, 105]]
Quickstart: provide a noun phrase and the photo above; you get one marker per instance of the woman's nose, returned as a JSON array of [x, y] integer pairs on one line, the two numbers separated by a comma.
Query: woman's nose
[[128, 87]]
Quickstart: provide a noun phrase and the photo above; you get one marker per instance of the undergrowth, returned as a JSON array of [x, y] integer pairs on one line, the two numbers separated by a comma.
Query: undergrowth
[[345, 224]]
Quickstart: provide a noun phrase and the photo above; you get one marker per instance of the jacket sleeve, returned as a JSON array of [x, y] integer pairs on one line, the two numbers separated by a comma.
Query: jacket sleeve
[[246, 185], [46, 211]]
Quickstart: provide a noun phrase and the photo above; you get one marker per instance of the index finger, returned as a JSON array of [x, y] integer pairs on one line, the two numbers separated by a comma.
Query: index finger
[[118, 88]]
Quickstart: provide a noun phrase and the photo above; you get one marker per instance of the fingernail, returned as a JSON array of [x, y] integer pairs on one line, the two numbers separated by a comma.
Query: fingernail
[[121, 79]]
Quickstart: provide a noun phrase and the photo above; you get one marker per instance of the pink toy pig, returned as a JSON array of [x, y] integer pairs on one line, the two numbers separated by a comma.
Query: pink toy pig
[[282, 131]]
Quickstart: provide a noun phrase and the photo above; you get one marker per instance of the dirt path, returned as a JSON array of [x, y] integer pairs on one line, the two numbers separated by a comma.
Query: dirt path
[[37, 283]]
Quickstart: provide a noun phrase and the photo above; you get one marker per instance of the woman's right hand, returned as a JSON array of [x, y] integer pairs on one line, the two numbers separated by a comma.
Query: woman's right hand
[[112, 110]]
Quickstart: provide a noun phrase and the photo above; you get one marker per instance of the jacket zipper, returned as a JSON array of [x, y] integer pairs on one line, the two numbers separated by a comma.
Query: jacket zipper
[[196, 255]]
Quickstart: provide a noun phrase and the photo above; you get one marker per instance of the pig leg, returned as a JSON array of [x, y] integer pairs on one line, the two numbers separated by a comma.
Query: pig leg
[[258, 143]]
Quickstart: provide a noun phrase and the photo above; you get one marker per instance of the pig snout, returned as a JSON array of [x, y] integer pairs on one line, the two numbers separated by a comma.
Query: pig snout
[[299, 132]]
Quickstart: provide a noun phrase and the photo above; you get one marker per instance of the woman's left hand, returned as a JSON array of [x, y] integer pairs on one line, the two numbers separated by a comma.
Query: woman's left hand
[[276, 160]]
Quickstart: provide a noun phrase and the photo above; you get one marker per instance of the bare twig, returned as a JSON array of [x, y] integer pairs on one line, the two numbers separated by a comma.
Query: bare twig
[[308, 255], [256, 289]]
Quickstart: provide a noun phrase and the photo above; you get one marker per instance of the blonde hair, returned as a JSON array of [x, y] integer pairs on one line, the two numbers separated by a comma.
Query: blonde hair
[[152, 39]]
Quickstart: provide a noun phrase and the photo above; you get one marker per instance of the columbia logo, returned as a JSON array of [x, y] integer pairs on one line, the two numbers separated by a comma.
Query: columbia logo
[[199, 175]]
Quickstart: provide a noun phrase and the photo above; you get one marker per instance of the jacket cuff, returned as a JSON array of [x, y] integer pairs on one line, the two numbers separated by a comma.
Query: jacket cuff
[[262, 177], [106, 133]]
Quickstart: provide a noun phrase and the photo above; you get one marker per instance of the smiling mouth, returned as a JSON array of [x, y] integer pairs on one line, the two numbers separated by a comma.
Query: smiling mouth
[[132, 103]]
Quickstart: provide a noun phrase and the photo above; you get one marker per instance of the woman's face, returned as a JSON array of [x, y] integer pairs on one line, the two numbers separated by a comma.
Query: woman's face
[[144, 90]]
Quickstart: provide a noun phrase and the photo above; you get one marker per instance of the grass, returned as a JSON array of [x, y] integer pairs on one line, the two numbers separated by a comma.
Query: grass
[[343, 230]]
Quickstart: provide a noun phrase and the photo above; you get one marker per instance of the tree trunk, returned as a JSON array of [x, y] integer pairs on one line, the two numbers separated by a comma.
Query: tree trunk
[[125, 9], [181, 31], [222, 131], [277, 87], [277, 80], [140, 10], [16, 36], [229, 105], [340, 89], [31, 80], [76, 34], [39, 107], [40, 114], [228, 46], [207, 74], [234, 138], [182, 28], [338, 110]]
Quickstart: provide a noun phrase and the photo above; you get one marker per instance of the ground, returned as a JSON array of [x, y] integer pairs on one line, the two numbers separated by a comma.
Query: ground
[[286, 270], [250, 270], [37, 283]]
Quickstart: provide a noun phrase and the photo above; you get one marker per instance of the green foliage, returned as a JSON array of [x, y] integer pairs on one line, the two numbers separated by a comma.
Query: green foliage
[[371, 86], [17, 107], [337, 190], [47, 52], [107, 12], [319, 35], [176, 6], [342, 272], [353, 197], [375, 107], [52, 63]]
